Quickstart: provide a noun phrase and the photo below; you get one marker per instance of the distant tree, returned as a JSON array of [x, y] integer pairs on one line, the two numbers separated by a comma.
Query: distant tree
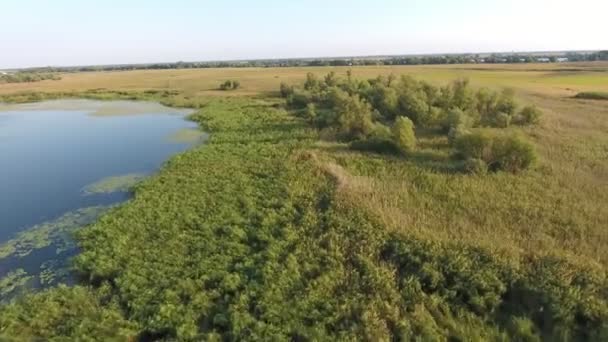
[[286, 89], [331, 80], [312, 82]]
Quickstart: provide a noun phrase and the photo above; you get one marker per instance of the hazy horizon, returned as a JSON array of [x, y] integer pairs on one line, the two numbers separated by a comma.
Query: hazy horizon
[[69, 33]]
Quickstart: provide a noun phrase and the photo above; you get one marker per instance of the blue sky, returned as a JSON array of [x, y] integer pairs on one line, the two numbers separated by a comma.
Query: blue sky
[[71, 32]]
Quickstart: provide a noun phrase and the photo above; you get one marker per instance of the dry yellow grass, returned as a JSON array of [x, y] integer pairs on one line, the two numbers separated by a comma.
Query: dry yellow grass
[[556, 79]]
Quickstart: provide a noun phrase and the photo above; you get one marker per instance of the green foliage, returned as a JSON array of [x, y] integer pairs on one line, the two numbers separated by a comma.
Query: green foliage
[[28, 77], [508, 153], [12, 283], [529, 115], [353, 115], [502, 120], [286, 90], [114, 184], [258, 235], [475, 166], [64, 313], [311, 113], [55, 232], [403, 134], [312, 83], [513, 154], [230, 85], [476, 145]]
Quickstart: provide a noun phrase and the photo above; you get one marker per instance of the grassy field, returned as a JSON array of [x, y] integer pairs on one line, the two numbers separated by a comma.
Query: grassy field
[[555, 79], [269, 232]]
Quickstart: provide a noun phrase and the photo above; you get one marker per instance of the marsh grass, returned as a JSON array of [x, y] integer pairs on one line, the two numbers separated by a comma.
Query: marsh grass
[[266, 232], [122, 183], [57, 232], [188, 136]]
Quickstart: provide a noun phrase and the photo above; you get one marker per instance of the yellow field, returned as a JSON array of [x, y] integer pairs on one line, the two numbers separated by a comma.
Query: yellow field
[[565, 79]]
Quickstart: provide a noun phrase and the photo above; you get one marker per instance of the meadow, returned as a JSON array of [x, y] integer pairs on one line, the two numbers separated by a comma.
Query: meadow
[[271, 231]]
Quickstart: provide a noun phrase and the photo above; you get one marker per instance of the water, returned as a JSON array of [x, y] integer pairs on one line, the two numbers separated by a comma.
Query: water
[[51, 153]]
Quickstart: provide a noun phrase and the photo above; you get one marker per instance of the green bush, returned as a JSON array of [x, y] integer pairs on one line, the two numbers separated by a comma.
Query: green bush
[[502, 120], [456, 117], [455, 132], [230, 85], [376, 145], [476, 145], [311, 113], [513, 153], [353, 115], [286, 90], [475, 166], [299, 98], [508, 153], [403, 134], [529, 115]]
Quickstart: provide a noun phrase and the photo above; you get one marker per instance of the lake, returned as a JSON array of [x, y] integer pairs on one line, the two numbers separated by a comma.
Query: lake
[[63, 163]]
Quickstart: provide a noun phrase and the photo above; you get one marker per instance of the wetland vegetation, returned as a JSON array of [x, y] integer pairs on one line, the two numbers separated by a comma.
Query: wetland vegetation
[[280, 228]]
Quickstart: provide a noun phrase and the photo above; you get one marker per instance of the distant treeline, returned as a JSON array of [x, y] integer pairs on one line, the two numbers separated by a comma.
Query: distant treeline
[[22, 77], [350, 61]]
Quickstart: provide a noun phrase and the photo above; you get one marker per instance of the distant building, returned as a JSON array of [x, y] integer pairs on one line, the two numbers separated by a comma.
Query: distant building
[[543, 60], [561, 60], [3, 73]]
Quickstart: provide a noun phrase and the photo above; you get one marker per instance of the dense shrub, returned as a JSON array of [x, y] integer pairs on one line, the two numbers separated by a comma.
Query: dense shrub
[[286, 90], [513, 154], [403, 134], [230, 85], [502, 120], [376, 145], [456, 117], [529, 115], [508, 153], [311, 113], [353, 115], [476, 145], [27, 77], [475, 166]]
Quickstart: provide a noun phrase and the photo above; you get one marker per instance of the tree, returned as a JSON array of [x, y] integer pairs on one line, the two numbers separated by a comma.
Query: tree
[[311, 113], [354, 115], [312, 83], [286, 89], [403, 134]]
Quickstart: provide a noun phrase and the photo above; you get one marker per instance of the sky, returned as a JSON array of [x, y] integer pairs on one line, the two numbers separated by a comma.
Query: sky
[[87, 32]]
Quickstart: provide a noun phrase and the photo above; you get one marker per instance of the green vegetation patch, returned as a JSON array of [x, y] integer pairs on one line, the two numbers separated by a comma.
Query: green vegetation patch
[[57, 232], [592, 95], [13, 282], [111, 184], [262, 234], [188, 136], [28, 77]]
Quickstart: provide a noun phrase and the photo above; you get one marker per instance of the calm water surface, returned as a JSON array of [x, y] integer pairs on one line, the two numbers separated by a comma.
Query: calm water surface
[[49, 155]]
